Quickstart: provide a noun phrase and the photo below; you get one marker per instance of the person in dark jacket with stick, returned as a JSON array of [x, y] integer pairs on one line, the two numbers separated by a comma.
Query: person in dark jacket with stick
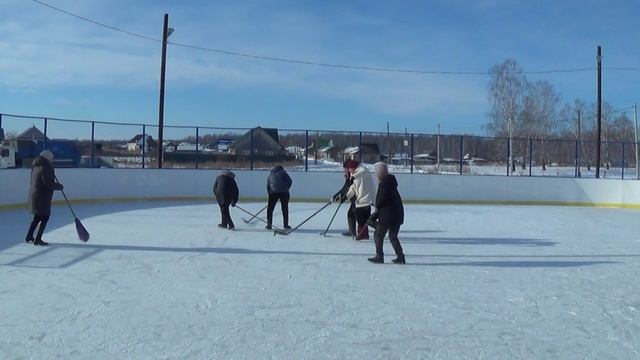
[[278, 185], [341, 195], [226, 191], [43, 184], [389, 215]]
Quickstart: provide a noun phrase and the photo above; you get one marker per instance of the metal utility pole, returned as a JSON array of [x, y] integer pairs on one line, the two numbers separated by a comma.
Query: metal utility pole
[[438, 150], [166, 32], [579, 143], [599, 108], [510, 147], [635, 119]]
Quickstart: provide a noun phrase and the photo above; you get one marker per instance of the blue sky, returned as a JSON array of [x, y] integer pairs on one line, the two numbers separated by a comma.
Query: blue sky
[[55, 65]]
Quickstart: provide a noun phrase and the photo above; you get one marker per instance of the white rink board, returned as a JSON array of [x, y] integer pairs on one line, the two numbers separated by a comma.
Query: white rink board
[[105, 184]]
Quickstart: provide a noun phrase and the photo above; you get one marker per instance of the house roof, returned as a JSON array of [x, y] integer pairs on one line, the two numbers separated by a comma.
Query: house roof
[[367, 148], [139, 137], [32, 133], [263, 138], [323, 145]]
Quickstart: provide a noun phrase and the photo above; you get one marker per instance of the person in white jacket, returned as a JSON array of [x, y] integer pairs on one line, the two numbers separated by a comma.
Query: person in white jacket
[[363, 191]]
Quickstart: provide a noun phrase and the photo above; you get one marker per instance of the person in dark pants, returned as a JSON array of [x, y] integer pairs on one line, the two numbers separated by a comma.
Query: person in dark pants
[[389, 215], [340, 196], [226, 191], [278, 186], [43, 184]]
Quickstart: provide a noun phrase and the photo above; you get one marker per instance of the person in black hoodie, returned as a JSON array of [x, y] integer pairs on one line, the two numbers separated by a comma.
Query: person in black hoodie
[[341, 196], [389, 215], [43, 184], [226, 192], [278, 185]]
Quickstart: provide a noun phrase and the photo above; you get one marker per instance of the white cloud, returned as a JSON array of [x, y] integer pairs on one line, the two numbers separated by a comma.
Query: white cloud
[[64, 52]]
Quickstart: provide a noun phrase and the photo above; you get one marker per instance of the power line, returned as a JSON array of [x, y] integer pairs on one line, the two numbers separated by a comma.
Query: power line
[[110, 27], [315, 63]]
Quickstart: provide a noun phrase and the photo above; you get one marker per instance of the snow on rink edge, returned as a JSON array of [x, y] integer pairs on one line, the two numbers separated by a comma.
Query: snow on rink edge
[[160, 281]]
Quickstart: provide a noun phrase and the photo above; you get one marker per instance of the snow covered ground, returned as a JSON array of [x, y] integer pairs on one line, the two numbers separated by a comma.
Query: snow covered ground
[[160, 281]]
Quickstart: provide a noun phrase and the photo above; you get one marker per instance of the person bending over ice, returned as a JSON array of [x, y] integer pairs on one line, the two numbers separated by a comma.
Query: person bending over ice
[[389, 215], [226, 192], [362, 191], [278, 185], [43, 184]]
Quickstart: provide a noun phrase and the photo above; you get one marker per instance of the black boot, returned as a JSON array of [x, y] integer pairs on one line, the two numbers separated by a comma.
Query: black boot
[[378, 259], [347, 233], [40, 242], [287, 227], [399, 260], [29, 239], [222, 226], [269, 227]]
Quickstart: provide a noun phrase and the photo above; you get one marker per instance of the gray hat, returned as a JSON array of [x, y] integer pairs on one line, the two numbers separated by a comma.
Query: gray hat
[[47, 154]]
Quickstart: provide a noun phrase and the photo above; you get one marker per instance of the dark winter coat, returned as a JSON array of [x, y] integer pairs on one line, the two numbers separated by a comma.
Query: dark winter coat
[[279, 181], [43, 184], [226, 190], [389, 208]]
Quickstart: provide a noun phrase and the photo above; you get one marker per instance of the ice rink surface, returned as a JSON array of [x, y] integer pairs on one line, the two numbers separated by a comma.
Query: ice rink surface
[[161, 281]]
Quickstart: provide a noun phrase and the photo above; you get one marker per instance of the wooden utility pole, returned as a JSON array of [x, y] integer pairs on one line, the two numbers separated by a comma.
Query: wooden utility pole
[[599, 108]]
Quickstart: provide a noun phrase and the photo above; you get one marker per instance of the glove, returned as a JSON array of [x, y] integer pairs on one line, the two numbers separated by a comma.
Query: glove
[[233, 204], [59, 187]]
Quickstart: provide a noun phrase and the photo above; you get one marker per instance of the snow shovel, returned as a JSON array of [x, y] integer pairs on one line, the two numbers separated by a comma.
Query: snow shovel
[[83, 234], [287, 232]]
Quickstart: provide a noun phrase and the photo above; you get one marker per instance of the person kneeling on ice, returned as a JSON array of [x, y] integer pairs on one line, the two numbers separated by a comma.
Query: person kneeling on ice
[[362, 191], [278, 185], [341, 195], [226, 191], [43, 184], [389, 215]]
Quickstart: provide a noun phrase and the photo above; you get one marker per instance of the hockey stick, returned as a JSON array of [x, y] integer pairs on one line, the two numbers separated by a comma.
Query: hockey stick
[[332, 218], [254, 216], [83, 234], [287, 232]]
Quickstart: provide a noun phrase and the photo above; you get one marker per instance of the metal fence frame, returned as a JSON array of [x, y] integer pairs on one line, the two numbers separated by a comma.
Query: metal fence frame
[[579, 144]]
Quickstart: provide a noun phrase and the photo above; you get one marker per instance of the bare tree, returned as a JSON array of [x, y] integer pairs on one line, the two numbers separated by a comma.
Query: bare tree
[[539, 118], [506, 94]]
